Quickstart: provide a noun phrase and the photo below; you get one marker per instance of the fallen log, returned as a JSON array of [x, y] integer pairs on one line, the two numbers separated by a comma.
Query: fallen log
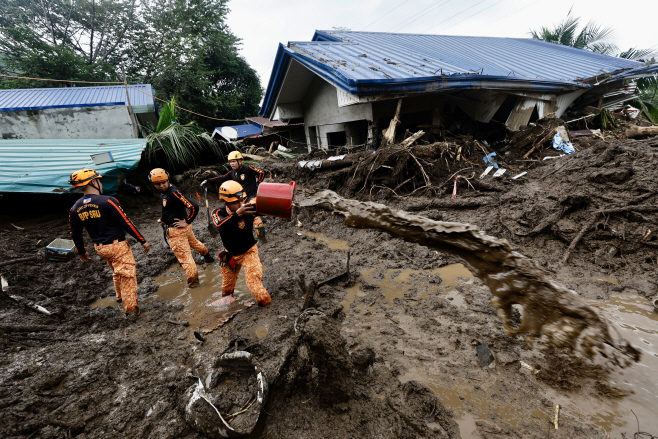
[[338, 164], [635, 132], [410, 141]]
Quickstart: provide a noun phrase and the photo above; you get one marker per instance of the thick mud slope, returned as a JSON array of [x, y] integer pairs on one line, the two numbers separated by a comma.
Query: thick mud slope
[[407, 345]]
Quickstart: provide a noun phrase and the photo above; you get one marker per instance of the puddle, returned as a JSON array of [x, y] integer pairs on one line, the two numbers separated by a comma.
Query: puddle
[[469, 406], [396, 282], [637, 321], [104, 302], [605, 279], [261, 332], [173, 287], [331, 243]]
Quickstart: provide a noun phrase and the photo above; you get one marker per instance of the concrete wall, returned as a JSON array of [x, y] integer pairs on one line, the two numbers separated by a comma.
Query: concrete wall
[[321, 110], [109, 122]]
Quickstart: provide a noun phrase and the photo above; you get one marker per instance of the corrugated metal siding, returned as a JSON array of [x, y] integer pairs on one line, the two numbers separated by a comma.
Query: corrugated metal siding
[[45, 166], [66, 97]]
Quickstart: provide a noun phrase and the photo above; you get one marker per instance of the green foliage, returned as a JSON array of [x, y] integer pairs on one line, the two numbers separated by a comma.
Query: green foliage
[[648, 98], [607, 120], [567, 33], [592, 37], [181, 145], [181, 47]]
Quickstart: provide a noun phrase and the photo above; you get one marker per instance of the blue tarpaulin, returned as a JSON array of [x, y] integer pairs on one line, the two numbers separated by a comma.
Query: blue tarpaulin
[[45, 165]]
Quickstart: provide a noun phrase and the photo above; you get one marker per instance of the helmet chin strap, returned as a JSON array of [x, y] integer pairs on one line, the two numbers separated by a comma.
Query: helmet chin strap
[[97, 187]]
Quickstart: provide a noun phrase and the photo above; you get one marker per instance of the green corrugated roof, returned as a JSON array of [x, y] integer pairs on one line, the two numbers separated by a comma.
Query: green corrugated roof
[[45, 165]]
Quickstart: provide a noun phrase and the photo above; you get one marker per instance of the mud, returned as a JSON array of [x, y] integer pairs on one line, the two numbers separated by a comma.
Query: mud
[[548, 308], [403, 331]]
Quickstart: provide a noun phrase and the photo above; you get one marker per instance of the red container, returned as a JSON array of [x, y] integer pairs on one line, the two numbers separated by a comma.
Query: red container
[[275, 199]]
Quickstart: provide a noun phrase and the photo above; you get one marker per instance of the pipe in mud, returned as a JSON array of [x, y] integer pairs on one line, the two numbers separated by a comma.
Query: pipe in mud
[[550, 310]]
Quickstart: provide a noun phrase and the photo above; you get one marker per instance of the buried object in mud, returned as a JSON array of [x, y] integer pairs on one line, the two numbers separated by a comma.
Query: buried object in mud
[[550, 310], [230, 402], [485, 357]]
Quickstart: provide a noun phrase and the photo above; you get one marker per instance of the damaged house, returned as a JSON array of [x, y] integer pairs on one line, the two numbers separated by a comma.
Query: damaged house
[[344, 86]]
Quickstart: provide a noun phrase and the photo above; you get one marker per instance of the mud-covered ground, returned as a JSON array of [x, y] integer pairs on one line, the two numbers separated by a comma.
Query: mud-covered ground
[[394, 354]]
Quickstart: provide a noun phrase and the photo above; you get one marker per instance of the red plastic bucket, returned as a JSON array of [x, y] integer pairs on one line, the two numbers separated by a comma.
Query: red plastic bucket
[[275, 199]]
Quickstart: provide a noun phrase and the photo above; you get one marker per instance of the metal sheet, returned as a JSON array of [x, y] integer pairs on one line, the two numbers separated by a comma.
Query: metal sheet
[[45, 165], [69, 97], [521, 113]]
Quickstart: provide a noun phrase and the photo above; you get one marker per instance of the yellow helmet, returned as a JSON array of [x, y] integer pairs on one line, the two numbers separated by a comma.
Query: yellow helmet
[[231, 191], [158, 175], [235, 155], [83, 177]]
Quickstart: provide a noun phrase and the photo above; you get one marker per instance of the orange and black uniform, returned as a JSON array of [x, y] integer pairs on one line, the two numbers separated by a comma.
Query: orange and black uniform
[[248, 176], [176, 206], [237, 234], [107, 225]]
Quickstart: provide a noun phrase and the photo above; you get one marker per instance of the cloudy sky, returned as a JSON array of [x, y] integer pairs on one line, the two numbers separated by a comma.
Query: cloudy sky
[[263, 24]]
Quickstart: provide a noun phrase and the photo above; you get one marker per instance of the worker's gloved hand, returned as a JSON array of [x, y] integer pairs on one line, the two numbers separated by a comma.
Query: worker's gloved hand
[[260, 230], [204, 183], [226, 258]]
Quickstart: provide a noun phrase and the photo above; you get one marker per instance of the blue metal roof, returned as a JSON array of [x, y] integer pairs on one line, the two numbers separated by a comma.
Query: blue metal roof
[[66, 97], [45, 165], [366, 63]]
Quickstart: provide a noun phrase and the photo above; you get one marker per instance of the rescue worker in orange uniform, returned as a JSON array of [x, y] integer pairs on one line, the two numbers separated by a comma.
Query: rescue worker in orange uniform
[[107, 225], [235, 223], [249, 178], [178, 212]]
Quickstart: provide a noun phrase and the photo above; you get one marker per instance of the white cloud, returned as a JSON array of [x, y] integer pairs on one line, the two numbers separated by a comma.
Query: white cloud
[[262, 25]]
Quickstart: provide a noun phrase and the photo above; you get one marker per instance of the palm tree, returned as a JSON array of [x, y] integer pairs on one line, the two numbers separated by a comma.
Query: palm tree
[[181, 144], [594, 37], [591, 37]]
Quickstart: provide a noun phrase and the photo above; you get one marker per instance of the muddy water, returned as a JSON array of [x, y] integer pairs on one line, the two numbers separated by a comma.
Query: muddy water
[[173, 287], [550, 310], [470, 406], [396, 283], [333, 244], [637, 321]]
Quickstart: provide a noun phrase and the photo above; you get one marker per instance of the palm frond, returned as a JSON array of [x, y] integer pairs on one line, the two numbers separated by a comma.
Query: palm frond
[[167, 115], [636, 54], [604, 48], [180, 144]]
